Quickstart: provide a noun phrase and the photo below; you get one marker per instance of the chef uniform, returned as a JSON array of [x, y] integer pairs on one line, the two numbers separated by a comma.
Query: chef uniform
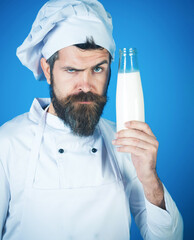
[[55, 185], [60, 186]]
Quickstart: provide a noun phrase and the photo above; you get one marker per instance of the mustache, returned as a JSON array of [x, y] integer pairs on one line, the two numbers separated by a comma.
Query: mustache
[[85, 97], [81, 118]]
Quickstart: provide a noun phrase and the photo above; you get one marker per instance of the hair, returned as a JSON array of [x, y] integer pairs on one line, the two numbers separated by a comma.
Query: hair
[[88, 45]]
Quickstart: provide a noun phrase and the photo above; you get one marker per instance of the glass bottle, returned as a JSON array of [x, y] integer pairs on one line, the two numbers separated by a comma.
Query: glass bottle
[[129, 95]]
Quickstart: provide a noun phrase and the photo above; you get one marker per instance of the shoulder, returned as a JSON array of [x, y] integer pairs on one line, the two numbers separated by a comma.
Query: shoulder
[[14, 132], [14, 126], [108, 124]]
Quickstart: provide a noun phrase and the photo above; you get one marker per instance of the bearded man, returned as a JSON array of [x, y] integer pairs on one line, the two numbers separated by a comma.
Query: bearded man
[[61, 175]]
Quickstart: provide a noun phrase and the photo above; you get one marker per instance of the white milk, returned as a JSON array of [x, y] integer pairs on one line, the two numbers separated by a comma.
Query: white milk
[[129, 99]]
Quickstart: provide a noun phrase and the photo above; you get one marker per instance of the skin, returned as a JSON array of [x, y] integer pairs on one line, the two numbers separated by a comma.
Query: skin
[[139, 140], [78, 70], [88, 70]]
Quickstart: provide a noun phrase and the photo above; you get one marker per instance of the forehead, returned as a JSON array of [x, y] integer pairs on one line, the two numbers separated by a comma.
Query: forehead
[[73, 55]]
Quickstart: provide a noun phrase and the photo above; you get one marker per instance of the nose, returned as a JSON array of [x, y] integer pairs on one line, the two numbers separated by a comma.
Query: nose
[[85, 82]]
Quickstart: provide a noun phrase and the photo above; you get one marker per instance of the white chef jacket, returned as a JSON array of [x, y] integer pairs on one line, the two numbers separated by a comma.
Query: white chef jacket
[[55, 185]]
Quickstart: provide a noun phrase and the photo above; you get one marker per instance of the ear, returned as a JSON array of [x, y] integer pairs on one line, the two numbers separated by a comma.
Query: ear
[[46, 69]]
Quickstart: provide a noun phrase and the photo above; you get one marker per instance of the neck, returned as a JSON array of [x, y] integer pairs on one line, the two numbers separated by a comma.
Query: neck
[[51, 109]]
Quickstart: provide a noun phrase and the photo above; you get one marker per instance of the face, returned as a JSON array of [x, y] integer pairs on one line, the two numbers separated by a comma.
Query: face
[[79, 70], [78, 87]]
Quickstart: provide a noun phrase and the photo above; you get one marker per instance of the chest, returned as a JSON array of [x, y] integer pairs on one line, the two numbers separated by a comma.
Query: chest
[[72, 186]]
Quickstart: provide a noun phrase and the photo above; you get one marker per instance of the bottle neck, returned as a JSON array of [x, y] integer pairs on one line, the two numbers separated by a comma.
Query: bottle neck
[[128, 60]]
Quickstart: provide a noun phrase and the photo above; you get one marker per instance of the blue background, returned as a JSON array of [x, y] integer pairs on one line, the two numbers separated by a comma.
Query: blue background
[[163, 33]]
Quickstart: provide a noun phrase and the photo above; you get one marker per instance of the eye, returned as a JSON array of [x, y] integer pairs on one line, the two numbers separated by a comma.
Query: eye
[[71, 70], [97, 69]]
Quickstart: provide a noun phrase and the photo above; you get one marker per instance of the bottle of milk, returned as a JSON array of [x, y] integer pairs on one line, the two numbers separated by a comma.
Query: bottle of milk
[[129, 96]]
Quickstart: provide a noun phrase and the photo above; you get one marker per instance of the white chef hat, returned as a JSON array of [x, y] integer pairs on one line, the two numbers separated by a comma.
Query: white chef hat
[[62, 23]]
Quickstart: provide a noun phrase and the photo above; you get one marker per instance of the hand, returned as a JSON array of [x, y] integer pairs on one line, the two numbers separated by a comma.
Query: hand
[[139, 140]]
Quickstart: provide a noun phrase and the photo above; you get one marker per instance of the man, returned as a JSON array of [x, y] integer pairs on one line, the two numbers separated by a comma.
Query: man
[[61, 174]]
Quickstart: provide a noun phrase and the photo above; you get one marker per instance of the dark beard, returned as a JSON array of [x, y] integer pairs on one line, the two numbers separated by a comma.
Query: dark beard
[[81, 118]]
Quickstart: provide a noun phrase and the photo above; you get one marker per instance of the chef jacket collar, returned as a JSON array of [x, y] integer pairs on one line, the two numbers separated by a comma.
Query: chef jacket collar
[[38, 109]]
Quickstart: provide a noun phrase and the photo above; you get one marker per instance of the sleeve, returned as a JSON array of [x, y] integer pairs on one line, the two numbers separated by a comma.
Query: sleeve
[[4, 198], [155, 223]]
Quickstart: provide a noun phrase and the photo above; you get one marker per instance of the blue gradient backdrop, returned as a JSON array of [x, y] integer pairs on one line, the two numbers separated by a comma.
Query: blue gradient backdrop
[[163, 33]]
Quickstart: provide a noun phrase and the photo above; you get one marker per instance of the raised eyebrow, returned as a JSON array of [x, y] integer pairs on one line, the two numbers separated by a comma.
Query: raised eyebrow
[[76, 69], [103, 62]]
